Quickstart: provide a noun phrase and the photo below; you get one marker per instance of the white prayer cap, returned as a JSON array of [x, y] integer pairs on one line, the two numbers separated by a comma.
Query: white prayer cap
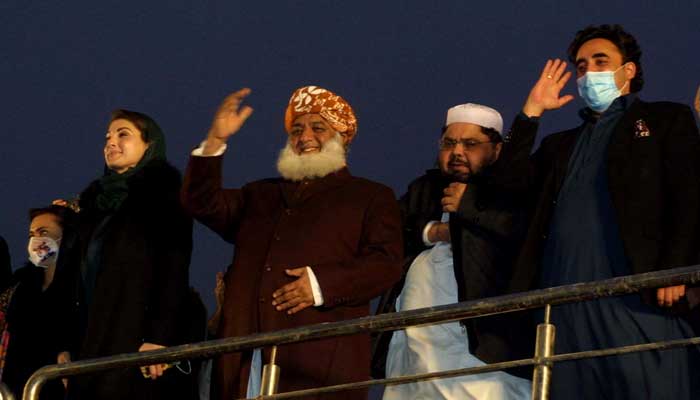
[[476, 114]]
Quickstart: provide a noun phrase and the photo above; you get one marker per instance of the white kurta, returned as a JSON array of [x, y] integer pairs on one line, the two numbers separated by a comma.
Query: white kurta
[[431, 282]]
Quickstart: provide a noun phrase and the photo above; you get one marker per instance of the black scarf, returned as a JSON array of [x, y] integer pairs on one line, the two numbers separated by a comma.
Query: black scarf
[[113, 187]]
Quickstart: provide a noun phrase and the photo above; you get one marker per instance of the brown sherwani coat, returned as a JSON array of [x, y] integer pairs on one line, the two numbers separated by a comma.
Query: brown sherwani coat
[[346, 228]]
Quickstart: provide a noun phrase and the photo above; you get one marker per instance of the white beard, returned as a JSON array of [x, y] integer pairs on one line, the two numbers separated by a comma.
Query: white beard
[[297, 167]]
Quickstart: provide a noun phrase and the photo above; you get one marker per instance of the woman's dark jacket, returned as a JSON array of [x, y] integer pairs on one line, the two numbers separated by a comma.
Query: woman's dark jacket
[[141, 283], [39, 321]]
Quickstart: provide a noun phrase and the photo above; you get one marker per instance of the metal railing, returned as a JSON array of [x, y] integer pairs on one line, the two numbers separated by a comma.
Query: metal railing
[[393, 321], [5, 393]]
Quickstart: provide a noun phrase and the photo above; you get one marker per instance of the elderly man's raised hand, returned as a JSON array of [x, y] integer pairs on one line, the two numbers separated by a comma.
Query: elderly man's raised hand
[[229, 118], [545, 95]]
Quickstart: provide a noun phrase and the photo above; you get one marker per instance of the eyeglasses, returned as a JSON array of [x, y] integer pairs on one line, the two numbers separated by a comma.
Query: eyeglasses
[[468, 144]]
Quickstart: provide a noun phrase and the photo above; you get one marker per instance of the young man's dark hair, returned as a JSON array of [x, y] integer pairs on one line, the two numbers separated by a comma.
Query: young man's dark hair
[[66, 216], [626, 43]]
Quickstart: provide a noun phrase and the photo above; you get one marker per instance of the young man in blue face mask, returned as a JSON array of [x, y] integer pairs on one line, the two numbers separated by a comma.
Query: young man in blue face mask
[[617, 195]]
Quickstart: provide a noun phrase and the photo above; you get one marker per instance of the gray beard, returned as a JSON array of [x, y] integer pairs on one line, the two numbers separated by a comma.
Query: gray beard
[[297, 167]]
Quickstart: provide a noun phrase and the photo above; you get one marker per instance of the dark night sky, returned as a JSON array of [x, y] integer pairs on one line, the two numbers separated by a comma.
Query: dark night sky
[[401, 64]]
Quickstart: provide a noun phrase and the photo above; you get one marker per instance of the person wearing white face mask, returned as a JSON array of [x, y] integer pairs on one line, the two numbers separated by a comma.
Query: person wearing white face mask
[[41, 299], [618, 195]]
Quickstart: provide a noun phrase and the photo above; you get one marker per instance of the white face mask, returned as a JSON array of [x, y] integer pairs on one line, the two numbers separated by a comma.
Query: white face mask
[[43, 251]]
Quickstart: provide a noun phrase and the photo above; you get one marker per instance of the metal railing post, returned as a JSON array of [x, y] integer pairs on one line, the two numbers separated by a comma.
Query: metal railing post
[[270, 375], [544, 347], [5, 393], [33, 386]]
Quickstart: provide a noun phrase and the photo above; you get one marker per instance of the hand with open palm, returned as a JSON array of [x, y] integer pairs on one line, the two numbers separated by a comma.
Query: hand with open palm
[[546, 94], [229, 118]]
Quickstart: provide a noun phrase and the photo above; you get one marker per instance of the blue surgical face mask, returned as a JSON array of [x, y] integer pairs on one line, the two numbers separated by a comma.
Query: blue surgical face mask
[[598, 89]]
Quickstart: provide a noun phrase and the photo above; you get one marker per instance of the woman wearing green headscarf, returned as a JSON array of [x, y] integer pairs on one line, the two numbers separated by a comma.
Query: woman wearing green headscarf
[[136, 244]]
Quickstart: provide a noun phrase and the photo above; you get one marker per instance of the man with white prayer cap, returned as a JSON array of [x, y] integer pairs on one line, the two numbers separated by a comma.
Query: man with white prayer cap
[[459, 242]]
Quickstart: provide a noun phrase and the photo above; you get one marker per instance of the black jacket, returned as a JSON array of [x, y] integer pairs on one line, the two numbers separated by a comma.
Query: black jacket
[[654, 181], [484, 233], [141, 289]]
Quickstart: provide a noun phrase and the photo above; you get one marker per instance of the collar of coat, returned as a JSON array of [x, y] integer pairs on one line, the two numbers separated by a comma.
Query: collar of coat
[[296, 192]]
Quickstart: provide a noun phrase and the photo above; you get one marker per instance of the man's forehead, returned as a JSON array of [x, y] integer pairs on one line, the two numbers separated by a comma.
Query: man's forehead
[[462, 129], [43, 220], [597, 48], [309, 119]]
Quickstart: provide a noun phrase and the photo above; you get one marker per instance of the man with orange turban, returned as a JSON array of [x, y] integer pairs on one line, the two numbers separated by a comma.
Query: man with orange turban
[[315, 245]]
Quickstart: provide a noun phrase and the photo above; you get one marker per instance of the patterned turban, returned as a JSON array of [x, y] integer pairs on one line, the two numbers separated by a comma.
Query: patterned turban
[[315, 100]]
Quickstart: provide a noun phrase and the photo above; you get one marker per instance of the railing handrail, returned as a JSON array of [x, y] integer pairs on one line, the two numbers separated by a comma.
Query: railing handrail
[[5, 393], [399, 320], [493, 367]]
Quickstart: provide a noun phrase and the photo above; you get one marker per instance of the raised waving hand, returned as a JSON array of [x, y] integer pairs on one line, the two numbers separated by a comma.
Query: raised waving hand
[[546, 93], [228, 120]]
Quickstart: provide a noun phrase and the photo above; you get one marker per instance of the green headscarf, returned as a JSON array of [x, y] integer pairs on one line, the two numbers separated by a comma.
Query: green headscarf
[[114, 187]]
